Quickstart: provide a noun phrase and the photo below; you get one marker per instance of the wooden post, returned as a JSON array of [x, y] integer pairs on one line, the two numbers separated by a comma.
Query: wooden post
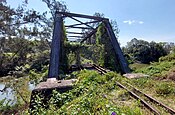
[[117, 49], [55, 47]]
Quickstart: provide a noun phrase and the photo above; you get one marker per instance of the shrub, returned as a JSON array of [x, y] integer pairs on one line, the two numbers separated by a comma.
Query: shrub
[[170, 57], [165, 88]]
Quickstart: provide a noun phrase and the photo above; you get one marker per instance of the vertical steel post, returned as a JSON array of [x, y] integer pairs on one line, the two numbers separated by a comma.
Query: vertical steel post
[[117, 49], [55, 47]]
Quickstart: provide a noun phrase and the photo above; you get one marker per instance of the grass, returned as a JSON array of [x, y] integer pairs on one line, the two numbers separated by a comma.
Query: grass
[[161, 83], [158, 68], [93, 94], [98, 94], [136, 66]]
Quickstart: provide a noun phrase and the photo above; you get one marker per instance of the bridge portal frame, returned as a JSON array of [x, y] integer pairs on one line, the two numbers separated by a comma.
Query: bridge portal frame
[[58, 34]]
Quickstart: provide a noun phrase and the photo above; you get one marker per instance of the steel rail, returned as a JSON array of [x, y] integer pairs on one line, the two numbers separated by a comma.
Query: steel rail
[[139, 98], [155, 101]]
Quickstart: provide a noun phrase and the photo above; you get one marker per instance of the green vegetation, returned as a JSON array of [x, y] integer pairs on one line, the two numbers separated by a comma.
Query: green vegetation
[[21, 95], [24, 58], [146, 52], [92, 94], [165, 88], [161, 83], [98, 94], [159, 68]]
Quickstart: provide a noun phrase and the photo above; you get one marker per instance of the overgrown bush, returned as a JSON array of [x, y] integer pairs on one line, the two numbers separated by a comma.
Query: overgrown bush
[[165, 88], [158, 68], [169, 57], [89, 96]]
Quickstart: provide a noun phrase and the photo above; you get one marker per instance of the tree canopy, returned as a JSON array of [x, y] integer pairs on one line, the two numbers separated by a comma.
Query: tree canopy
[[143, 51]]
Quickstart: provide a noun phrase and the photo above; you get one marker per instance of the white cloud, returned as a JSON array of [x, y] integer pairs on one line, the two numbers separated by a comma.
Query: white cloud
[[130, 22], [141, 22]]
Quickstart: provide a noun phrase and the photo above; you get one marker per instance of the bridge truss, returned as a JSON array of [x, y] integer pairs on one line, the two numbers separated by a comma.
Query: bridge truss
[[74, 33]]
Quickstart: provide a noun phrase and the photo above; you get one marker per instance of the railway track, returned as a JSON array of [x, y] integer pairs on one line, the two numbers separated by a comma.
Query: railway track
[[149, 102], [99, 69]]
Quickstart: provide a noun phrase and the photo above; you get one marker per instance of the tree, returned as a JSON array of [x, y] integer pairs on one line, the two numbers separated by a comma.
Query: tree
[[143, 51], [173, 50], [54, 6], [15, 34]]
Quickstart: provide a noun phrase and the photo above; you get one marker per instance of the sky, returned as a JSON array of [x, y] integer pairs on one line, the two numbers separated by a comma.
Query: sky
[[149, 20]]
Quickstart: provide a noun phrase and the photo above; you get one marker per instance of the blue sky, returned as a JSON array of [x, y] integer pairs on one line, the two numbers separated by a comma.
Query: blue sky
[[150, 20]]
